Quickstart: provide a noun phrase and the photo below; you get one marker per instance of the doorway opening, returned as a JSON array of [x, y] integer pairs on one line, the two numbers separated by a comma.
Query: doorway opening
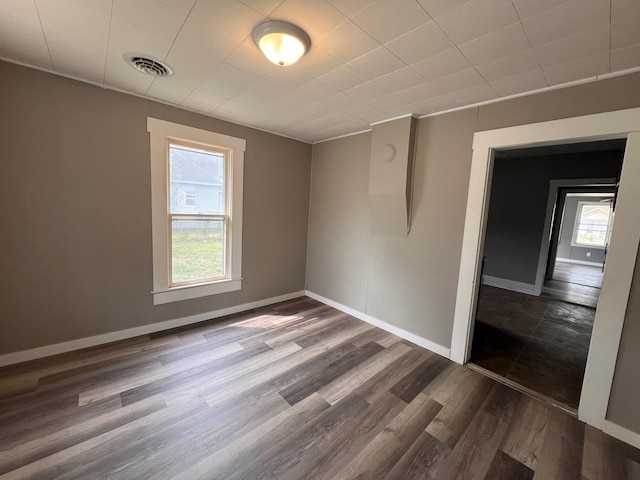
[[621, 256], [537, 336], [579, 240]]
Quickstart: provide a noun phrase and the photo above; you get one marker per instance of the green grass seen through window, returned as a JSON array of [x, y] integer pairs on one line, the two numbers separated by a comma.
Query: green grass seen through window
[[196, 255]]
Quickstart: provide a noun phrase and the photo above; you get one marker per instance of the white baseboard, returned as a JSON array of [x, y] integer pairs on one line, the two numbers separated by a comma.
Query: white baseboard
[[528, 288], [48, 350], [400, 332], [621, 433], [579, 262]]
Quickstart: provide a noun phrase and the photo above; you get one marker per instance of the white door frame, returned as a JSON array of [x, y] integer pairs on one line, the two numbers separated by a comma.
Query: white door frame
[[623, 247]]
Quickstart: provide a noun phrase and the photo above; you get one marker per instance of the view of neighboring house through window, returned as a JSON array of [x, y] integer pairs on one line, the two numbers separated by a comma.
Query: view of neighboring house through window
[[197, 231], [196, 193], [593, 224]]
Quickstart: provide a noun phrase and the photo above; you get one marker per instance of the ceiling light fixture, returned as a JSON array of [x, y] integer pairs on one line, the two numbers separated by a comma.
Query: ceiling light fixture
[[281, 42]]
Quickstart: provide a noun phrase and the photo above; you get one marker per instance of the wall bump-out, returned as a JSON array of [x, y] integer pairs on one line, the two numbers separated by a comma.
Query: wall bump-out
[[391, 176]]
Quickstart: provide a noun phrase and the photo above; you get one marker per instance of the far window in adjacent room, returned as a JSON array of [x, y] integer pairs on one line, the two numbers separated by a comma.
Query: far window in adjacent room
[[197, 211], [593, 224]]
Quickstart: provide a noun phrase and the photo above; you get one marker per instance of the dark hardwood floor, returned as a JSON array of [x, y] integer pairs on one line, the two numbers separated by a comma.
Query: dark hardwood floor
[[297, 390], [571, 293], [536, 342], [577, 284], [587, 275]]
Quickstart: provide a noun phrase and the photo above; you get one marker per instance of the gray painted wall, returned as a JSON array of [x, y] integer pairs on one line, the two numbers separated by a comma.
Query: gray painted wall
[[518, 205], [406, 281], [75, 247], [625, 393], [411, 283], [340, 242], [565, 249]]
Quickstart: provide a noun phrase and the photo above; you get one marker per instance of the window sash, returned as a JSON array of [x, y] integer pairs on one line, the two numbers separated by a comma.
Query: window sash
[[224, 220], [207, 149]]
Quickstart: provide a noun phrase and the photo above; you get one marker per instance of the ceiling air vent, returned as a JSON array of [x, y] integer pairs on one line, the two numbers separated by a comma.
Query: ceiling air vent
[[148, 65]]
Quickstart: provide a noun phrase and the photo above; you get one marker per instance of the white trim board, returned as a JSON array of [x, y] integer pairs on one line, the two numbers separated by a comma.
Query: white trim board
[[400, 332], [623, 247], [80, 343], [528, 288], [621, 433], [578, 262]]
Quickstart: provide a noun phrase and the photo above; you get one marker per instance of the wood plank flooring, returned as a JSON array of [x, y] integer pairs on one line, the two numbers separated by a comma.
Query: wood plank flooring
[[587, 275], [578, 284], [296, 390], [538, 343], [571, 293]]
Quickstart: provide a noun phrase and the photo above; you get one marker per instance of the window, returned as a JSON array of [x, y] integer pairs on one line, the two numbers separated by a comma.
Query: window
[[593, 224], [190, 199], [196, 189]]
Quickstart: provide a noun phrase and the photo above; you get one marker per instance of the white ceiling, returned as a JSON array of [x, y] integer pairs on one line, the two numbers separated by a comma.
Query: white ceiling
[[369, 61]]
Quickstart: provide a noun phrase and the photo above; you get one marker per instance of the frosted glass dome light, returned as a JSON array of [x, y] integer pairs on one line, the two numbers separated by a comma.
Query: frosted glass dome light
[[281, 42]]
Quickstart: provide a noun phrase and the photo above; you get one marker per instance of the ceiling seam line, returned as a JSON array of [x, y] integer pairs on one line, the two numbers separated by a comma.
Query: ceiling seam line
[[171, 46], [106, 59], [173, 42], [456, 47], [44, 35], [535, 53]]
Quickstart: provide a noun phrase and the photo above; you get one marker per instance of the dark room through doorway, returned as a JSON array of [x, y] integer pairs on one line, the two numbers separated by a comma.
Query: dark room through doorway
[[530, 333]]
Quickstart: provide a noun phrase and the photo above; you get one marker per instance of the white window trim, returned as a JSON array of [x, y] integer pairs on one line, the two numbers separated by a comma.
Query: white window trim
[[576, 225], [160, 132]]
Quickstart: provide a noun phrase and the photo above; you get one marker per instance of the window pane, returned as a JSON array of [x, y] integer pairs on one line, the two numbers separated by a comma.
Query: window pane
[[593, 224], [196, 181], [197, 249]]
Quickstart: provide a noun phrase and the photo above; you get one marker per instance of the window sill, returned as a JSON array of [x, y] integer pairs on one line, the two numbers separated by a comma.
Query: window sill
[[188, 292]]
